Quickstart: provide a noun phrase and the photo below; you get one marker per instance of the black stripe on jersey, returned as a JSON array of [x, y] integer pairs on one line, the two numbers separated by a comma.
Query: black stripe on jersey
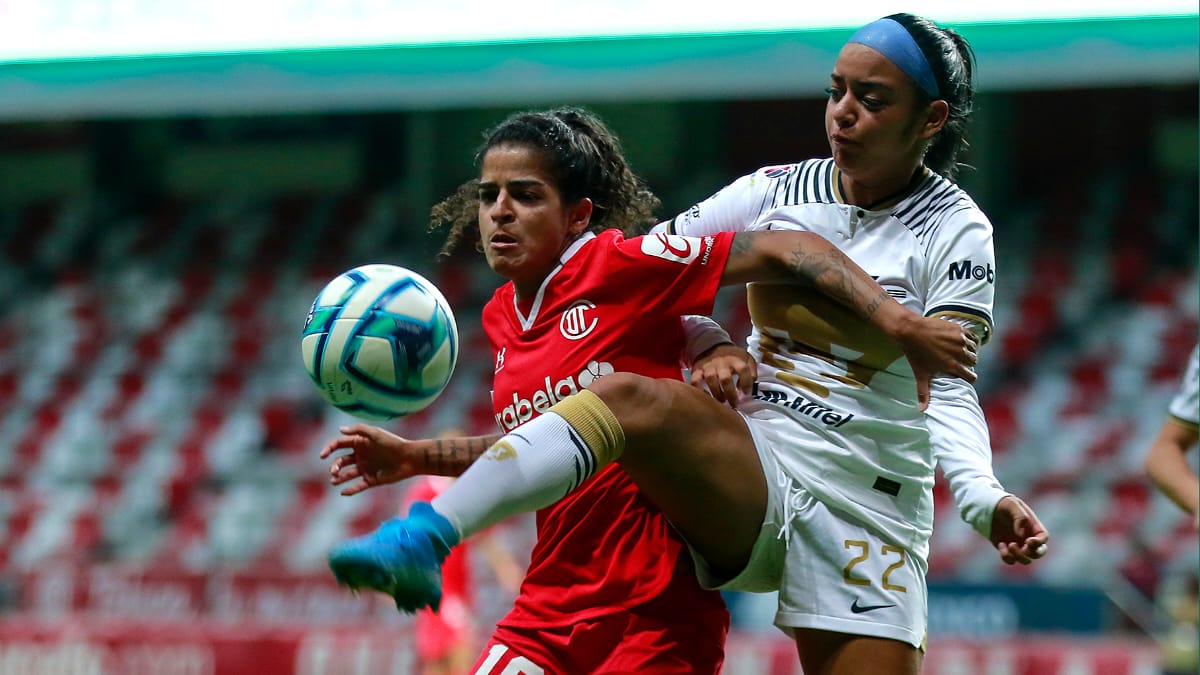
[[959, 309], [806, 183], [799, 193], [771, 198], [915, 201], [788, 187], [796, 192], [927, 203], [963, 310], [825, 187], [817, 184], [941, 206]]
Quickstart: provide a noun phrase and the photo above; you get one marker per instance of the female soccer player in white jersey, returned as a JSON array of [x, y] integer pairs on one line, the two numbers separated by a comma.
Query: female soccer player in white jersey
[[1166, 462], [610, 586], [819, 486]]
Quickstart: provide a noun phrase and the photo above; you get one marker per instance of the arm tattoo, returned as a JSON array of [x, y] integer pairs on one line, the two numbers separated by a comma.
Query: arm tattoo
[[452, 456], [830, 271], [740, 244], [827, 268], [876, 302]]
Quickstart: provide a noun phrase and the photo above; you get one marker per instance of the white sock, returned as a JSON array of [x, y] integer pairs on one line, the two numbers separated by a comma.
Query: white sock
[[535, 465]]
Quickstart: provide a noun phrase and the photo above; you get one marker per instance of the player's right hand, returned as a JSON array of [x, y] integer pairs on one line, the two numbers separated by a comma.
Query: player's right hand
[[376, 457], [727, 372], [1017, 533]]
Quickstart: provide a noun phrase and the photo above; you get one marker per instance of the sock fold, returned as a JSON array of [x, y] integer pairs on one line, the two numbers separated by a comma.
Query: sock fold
[[595, 423]]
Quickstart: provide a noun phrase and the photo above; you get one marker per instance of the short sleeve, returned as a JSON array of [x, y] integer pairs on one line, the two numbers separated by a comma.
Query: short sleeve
[[1185, 406], [962, 271]]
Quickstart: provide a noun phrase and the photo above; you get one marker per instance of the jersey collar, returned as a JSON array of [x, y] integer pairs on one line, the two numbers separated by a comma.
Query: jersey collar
[[527, 321], [888, 204]]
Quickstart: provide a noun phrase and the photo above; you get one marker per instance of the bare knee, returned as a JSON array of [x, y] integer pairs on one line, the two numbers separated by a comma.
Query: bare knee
[[639, 403], [665, 421]]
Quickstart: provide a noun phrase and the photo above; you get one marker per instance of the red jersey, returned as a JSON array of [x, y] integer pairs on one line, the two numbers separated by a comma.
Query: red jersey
[[613, 304]]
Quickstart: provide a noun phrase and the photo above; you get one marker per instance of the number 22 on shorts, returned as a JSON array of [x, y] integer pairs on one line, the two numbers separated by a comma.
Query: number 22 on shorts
[[864, 553]]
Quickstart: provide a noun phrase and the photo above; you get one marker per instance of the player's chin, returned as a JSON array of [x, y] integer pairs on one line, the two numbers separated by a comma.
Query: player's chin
[[847, 157], [505, 263]]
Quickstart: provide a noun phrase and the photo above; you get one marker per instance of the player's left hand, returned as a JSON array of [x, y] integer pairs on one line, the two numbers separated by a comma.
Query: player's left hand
[[727, 372], [1017, 533]]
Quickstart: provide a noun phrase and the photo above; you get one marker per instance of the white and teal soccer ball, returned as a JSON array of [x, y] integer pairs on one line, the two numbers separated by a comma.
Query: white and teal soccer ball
[[380, 342]]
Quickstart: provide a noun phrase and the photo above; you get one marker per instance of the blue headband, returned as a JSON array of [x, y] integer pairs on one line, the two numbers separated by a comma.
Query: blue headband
[[889, 38]]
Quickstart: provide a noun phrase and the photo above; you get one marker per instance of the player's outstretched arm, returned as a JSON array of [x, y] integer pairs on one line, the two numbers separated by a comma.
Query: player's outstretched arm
[[378, 457], [933, 346], [1167, 467]]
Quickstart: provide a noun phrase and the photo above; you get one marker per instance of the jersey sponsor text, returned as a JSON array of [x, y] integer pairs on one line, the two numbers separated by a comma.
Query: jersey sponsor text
[[521, 410], [964, 269], [820, 412]]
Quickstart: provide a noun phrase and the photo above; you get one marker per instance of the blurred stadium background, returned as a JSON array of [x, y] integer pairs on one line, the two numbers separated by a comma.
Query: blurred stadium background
[[178, 179]]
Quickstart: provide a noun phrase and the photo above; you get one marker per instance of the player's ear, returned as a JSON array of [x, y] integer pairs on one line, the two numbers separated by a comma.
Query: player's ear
[[579, 216], [936, 115]]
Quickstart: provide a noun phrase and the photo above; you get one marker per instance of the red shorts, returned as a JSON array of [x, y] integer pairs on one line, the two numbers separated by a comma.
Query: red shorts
[[644, 639]]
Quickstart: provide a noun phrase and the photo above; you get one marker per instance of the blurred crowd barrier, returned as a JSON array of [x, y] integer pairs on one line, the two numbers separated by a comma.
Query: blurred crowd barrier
[[90, 647], [80, 620]]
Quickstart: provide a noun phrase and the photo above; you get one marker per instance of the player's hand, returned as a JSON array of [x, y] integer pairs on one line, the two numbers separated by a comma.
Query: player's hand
[[937, 347], [727, 371], [1017, 533], [376, 457]]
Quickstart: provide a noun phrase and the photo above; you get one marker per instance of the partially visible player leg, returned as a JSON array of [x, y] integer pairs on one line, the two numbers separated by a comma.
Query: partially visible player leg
[[695, 459], [828, 653], [853, 597]]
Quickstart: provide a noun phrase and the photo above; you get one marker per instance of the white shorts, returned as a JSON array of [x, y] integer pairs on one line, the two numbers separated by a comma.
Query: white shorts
[[833, 571]]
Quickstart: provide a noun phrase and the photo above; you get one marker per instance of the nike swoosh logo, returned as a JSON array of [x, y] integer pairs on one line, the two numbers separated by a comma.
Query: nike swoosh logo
[[859, 609]]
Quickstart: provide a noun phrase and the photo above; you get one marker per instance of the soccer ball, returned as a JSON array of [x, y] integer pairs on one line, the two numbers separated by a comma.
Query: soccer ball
[[380, 342]]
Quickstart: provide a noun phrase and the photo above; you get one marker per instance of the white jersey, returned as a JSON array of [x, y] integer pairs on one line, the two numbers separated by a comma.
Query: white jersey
[[1185, 407], [839, 377]]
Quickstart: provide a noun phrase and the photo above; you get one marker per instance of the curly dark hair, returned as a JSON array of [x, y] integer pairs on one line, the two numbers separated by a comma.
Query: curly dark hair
[[584, 159], [953, 63]]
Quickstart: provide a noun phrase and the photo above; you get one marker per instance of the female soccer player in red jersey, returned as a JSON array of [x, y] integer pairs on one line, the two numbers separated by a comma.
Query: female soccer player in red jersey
[[819, 486], [610, 587]]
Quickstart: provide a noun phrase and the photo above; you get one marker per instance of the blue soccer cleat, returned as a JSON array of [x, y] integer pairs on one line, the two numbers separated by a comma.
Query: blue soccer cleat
[[402, 558]]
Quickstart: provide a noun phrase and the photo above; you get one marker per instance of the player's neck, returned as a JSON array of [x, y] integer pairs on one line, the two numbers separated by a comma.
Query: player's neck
[[525, 303], [880, 195]]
